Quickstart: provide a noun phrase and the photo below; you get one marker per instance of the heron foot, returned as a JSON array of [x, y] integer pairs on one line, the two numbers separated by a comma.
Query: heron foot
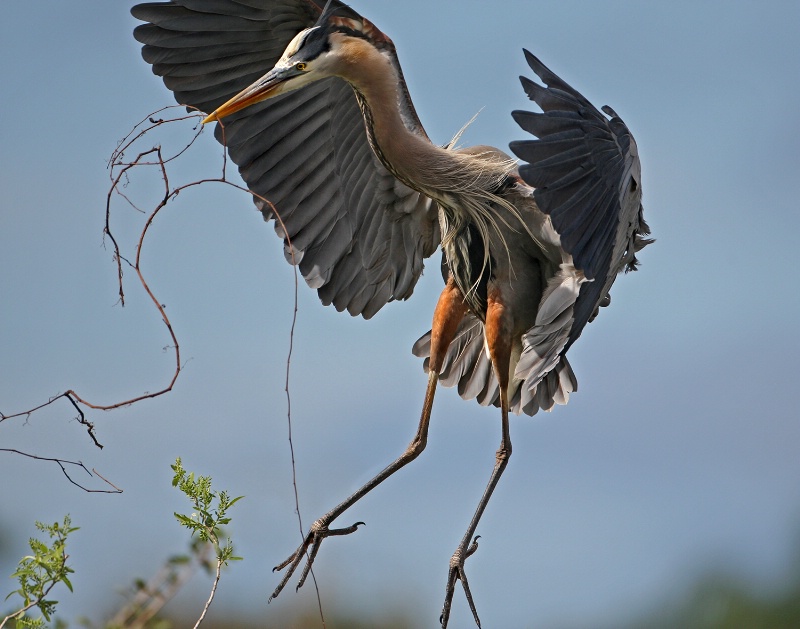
[[309, 549], [457, 573]]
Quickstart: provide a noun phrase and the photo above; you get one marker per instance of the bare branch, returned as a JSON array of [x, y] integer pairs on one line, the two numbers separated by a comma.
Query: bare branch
[[63, 463], [211, 596], [149, 598], [120, 168], [285, 232]]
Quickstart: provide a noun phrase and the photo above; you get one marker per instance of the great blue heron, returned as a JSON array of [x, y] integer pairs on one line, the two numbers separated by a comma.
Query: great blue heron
[[364, 197]]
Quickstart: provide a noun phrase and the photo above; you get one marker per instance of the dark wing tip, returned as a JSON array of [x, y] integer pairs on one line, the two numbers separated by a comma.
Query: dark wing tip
[[578, 167], [144, 10], [541, 70], [550, 78]]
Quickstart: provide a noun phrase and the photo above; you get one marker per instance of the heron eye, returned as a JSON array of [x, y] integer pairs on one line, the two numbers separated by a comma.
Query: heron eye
[[300, 66]]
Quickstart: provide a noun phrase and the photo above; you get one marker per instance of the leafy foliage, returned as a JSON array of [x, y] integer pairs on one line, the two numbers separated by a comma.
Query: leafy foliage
[[206, 520], [40, 572]]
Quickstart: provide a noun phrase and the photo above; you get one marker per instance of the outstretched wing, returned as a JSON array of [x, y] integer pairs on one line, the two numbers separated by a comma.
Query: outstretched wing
[[585, 171], [358, 234], [587, 177]]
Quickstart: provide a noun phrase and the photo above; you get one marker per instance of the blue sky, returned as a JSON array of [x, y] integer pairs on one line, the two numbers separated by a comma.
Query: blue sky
[[679, 452]]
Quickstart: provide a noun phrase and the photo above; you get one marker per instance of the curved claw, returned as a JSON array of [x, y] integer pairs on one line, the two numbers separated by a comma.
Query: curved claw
[[318, 532], [472, 547], [345, 531], [457, 572]]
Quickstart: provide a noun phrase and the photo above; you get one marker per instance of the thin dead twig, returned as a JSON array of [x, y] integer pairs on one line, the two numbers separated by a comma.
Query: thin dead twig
[[120, 170], [62, 463]]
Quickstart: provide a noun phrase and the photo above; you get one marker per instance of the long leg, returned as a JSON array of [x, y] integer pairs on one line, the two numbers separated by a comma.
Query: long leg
[[498, 339], [450, 309]]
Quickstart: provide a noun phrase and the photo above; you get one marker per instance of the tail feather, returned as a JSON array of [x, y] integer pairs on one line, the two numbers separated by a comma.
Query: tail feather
[[467, 366]]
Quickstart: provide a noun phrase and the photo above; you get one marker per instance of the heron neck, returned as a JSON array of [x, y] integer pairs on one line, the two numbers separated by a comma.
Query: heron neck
[[462, 183], [469, 187], [408, 155], [394, 134]]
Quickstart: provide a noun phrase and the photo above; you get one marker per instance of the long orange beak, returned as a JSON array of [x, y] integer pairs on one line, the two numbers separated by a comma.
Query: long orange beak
[[269, 85]]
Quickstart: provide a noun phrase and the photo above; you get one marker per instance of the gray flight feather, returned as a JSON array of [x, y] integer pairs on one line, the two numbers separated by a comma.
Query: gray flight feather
[[585, 171], [587, 177], [359, 235]]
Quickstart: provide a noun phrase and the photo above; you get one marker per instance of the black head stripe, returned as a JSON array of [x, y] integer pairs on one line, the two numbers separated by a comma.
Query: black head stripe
[[315, 43]]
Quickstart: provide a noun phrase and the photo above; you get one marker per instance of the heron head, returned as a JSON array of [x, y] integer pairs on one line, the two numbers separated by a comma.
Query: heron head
[[312, 55], [298, 66]]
